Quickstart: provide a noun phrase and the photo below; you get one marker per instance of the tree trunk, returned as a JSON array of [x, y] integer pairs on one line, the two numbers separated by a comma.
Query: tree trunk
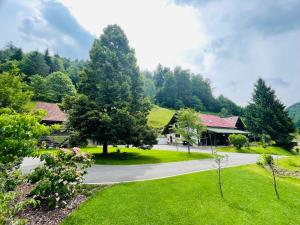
[[220, 180], [275, 182], [105, 149], [189, 148]]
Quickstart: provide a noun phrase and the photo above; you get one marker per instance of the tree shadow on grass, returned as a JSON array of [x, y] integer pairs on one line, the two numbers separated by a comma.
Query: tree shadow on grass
[[124, 158], [237, 206]]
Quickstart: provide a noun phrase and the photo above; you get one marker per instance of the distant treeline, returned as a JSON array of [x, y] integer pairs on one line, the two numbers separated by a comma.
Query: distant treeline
[[53, 77], [180, 88]]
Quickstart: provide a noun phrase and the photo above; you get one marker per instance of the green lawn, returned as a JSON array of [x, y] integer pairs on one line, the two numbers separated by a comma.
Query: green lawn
[[159, 117], [256, 149], [194, 199], [132, 156], [290, 163]]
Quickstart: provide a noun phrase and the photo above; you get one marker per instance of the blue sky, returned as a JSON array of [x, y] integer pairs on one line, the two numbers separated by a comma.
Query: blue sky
[[231, 42]]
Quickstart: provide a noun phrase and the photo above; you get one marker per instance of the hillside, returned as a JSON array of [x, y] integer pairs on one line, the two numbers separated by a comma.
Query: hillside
[[159, 117], [294, 112]]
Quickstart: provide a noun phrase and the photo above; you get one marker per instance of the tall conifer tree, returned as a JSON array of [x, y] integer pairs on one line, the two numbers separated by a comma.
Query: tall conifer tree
[[267, 115], [111, 107]]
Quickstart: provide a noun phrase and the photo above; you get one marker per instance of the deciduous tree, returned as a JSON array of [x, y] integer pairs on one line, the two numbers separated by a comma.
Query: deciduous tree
[[189, 126]]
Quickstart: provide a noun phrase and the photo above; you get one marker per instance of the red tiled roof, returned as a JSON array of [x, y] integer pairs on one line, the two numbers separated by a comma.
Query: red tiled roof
[[232, 120], [53, 112], [216, 121]]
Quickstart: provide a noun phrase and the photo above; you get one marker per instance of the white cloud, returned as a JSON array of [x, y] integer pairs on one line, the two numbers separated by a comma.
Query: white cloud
[[159, 31], [231, 42]]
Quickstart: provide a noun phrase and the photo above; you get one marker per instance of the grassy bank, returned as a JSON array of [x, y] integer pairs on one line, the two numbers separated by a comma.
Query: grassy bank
[[194, 199], [159, 117], [290, 163], [256, 149]]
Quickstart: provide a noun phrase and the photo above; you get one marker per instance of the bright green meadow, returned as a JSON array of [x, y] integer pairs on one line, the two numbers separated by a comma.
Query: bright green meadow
[[159, 117], [194, 199]]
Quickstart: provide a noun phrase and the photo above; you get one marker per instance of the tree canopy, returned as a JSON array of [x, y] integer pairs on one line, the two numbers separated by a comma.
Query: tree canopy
[[52, 88], [14, 93], [111, 107], [189, 126], [267, 115]]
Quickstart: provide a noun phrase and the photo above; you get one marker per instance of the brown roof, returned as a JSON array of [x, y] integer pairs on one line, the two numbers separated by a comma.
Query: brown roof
[[53, 112]]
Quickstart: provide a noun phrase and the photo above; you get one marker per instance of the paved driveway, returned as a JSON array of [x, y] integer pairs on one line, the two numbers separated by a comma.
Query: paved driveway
[[107, 174]]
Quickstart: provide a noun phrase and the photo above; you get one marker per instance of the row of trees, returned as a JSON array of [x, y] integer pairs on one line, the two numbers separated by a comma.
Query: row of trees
[[50, 77], [180, 88], [35, 62], [169, 88]]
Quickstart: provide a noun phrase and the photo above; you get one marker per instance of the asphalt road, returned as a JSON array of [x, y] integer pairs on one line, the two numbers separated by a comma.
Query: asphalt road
[[108, 174]]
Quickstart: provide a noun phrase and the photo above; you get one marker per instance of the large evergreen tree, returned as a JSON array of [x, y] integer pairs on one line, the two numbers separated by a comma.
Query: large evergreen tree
[[184, 86], [229, 106], [34, 63], [267, 115], [111, 107], [169, 91], [202, 89]]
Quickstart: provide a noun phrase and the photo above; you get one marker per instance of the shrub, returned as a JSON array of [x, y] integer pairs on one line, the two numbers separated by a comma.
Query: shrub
[[10, 176], [9, 208], [238, 140], [266, 140], [19, 134], [59, 177], [75, 139]]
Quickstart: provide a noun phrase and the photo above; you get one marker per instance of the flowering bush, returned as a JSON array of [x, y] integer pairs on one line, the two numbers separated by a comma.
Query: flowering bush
[[59, 177]]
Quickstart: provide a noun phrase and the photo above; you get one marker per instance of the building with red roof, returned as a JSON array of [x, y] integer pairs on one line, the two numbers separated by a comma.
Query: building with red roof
[[218, 128]]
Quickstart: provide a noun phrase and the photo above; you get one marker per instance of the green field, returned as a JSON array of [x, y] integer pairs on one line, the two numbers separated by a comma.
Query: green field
[[256, 149], [194, 199], [133, 156], [159, 117], [290, 163]]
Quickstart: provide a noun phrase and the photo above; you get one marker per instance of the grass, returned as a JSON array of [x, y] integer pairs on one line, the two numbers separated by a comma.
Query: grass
[[256, 149], [159, 117], [290, 163], [133, 156], [194, 199]]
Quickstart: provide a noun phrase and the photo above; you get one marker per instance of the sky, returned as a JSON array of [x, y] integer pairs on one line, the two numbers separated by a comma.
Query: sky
[[230, 42]]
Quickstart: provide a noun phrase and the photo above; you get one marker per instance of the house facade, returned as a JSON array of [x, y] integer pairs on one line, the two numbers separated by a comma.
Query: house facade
[[217, 129]]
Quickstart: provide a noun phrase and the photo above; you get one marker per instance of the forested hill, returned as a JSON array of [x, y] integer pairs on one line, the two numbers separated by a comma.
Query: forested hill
[[294, 113], [52, 77], [180, 88]]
